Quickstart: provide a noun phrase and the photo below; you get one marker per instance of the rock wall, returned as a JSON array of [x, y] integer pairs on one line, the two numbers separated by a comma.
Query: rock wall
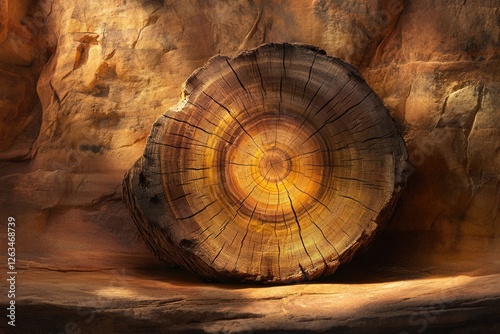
[[82, 82]]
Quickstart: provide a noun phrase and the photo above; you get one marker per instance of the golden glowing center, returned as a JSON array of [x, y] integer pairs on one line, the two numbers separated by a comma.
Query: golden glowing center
[[274, 165]]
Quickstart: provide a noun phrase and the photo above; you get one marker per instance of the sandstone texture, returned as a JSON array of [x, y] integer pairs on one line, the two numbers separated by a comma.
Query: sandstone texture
[[126, 301], [81, 83]]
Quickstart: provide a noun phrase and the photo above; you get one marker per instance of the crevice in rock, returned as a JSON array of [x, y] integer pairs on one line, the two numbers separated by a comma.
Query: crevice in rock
[[246, 41], [374, 50], [82, 51], [468, 132], [405, 105], [50, 11], [152, 19]]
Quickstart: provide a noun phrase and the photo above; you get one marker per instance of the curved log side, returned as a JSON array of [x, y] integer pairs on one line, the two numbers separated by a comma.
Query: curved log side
[[276, 166]]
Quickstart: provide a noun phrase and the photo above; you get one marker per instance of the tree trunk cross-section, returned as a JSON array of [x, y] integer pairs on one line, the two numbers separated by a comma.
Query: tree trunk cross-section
[[276, 166]]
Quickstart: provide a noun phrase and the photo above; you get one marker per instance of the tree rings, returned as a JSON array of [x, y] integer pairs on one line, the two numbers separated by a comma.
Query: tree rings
[[276, 166]]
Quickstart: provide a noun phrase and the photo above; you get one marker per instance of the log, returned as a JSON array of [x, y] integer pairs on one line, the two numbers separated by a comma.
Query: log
[[276, 166]]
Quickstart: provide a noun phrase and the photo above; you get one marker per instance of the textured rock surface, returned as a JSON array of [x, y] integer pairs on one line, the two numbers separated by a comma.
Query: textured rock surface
[[151, 301], [115, 65], [17, 29]]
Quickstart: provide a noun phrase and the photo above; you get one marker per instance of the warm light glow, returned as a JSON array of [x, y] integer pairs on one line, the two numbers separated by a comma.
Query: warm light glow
[[115, 292]]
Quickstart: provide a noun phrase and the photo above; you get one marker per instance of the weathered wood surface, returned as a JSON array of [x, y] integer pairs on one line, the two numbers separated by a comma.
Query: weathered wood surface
[[276, 166]]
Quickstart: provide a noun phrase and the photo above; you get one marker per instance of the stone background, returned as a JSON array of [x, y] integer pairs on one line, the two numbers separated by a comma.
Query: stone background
[[81, 82]]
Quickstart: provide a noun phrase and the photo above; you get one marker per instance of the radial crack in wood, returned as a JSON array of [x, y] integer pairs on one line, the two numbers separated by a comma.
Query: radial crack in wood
[[276, 166]]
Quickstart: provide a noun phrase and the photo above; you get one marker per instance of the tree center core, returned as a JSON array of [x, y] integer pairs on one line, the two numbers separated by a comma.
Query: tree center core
[[275, 165]]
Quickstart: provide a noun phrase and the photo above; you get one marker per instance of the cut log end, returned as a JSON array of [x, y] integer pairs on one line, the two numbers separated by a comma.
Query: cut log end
[[277, 166]]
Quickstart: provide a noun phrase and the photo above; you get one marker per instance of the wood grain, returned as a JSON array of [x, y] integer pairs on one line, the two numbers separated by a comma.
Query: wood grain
[[276, 166]]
